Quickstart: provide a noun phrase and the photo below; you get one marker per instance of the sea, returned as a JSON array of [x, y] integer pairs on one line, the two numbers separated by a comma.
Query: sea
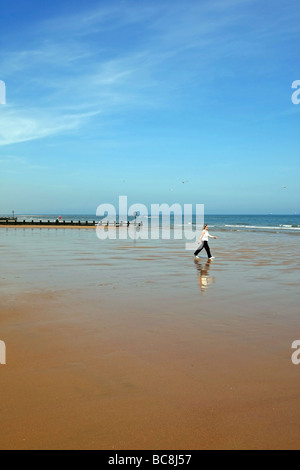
[[247, 223]]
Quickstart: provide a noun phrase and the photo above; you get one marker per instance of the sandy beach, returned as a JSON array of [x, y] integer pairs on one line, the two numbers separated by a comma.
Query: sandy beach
[[131, 345], [133, 136]]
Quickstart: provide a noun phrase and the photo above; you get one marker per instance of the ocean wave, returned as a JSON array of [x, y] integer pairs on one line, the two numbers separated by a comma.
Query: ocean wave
[[257, 227]]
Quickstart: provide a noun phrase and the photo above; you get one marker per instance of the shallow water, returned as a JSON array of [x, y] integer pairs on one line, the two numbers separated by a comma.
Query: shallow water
[[264, 267]]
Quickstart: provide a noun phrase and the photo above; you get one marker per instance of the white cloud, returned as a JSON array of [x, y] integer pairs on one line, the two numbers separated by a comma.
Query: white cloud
[[16, 127]]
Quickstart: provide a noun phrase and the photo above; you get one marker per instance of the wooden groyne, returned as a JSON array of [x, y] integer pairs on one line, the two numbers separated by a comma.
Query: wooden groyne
[[63, 223]]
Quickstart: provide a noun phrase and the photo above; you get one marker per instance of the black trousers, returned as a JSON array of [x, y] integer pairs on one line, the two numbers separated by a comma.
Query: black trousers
[[207, 249]]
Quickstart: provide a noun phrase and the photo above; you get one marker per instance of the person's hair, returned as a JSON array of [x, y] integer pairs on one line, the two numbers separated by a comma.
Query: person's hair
[[205, 226]]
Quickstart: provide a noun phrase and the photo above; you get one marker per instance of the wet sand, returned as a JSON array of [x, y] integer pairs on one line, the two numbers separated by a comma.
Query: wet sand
[[130, 345]]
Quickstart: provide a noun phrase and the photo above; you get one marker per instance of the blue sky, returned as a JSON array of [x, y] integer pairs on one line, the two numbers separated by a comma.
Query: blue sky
[[131, 98]]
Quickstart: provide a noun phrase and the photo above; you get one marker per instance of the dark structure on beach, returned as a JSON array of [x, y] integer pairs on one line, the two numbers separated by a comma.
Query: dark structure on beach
[[10, 221], [7, 219]]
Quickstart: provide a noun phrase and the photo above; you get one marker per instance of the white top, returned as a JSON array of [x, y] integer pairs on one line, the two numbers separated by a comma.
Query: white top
[[205, 236]]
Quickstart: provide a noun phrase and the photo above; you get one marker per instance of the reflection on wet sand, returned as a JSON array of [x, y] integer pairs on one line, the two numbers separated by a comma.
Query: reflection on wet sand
[[110, 346], [203, 275]]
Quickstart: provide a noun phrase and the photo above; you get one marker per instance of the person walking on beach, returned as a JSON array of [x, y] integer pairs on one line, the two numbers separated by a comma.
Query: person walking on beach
[[204, 243]]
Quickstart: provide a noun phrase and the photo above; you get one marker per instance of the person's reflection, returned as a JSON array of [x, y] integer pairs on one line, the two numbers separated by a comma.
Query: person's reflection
[[203, 275]]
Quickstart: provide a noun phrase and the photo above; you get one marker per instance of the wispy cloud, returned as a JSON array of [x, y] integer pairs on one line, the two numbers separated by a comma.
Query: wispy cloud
[[122, 56], [16, 127]]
